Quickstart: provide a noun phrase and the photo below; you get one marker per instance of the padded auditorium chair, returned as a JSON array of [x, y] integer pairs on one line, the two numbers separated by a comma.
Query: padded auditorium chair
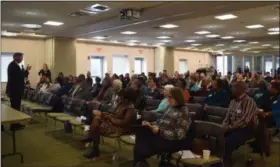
[[215, 114], [216, 142], [151, 104], [198, 99]]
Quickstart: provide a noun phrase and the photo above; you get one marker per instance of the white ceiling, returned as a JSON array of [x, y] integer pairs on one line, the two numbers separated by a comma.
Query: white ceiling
[[189, 16]]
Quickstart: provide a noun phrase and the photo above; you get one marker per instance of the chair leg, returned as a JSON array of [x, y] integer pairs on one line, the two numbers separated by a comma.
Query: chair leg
[[54, 127], [245, 151], [115, 157]]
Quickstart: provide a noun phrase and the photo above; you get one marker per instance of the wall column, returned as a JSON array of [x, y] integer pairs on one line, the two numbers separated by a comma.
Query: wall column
[[164, 59], [273, 64], [262, 65], [253, 64]]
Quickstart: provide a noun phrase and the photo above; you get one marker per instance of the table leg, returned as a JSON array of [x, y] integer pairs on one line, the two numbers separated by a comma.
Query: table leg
[[14, 148]]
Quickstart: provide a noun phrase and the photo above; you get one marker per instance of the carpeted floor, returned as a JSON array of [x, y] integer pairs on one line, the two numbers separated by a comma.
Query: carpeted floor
[[43, 149]]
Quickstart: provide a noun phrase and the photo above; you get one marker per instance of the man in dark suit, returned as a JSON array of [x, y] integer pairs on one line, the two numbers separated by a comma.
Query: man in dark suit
[[81, 89], [15, 85]]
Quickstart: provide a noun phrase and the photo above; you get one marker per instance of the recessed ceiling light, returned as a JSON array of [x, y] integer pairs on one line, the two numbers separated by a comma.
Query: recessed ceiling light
[[239, 41], [190, 41], [212, 36], [9, 34], [266, 45], [133, 41], [276, 47], [227, 37], [274, 29], [165, 41], [245, 49], [31, 13], [254, 26], [195, 44], [169, 26], [273, 33], [31, 25], [99, 37], [99, 40], [163, 37], [202, 32], [253, 42], [226, 17], [128, 32], [234, 47], [220, 44], [53, 23]]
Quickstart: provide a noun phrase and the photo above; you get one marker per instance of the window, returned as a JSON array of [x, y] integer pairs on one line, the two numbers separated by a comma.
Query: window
[[138, 65], [222, 64], [6, 59], [268, 66], [247, 64], [98, 66], [183, 67], [120, 65]]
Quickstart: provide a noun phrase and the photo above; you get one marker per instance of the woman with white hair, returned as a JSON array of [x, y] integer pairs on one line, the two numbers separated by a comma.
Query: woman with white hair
[[162, 107], [110, 95]]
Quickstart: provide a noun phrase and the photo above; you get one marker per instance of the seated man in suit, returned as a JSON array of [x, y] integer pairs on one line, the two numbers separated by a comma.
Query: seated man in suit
[[240, 121], [81, 89], [65, 87]]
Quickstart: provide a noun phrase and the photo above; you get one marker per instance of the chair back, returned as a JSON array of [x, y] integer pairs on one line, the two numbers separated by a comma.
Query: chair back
[[193, 108], [216, 114], [151, 104], [215, 135], [198, 99], [30, 93], [35, 97]]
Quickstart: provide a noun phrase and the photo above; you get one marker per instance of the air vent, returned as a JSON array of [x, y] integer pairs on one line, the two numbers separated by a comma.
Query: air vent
[[90, 11], [97, 8]]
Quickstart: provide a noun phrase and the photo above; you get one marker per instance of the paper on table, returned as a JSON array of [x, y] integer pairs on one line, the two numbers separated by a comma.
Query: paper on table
[[78, 119], [132, 137], [83, 118], [189, 154]]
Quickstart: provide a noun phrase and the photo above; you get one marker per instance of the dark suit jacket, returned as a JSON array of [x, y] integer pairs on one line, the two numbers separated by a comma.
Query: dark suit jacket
[[82, 92], [16, 75]]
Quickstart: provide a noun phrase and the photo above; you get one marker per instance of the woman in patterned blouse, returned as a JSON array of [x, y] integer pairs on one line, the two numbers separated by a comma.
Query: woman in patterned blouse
[[166, 133]]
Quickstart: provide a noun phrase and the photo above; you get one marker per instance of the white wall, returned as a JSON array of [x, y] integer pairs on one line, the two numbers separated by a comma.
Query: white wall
[[194, 59], [83, 50], [34, 54]]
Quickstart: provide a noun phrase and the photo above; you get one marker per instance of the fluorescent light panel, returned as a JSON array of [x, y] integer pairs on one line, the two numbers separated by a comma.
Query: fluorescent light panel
[[273, 33], [202, 32], [53, 23], [169, 26], [254, 26], [212, 36], [195, 44], [190, 41], [274, 29], [133, 41], [128, 32], [8, 34], [99, 37], [239, 41], [163, 37], [253, 42], [266, 45], [226, 17], [220, 45], [165, 41], [31, 25], [227, 37]]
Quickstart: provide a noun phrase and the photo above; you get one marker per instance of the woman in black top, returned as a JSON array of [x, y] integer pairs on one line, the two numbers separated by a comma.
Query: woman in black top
[[45, 71]]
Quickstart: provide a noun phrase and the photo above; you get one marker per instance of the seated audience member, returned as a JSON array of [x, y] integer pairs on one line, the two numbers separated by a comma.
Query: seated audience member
[[144, 88], [217, 96], [176, 78], [80, 89], [112, 124], [261, 96], [167, 134], [123, 82], [71, 78], [139, 101], [255, 80], [55, 86], [60, 75], [126, 80], [153, 90], [65, 88], [106, 78], [96, 88], [107, 84], [181, 83], [162, 107], [115, 76], [89, 79], [193, 86], [44, 84], [268, 78], [201, 78], [110, 96], [240, 120]]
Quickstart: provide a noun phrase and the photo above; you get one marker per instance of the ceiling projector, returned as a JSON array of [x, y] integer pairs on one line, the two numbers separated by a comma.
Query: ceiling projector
[[130, 14]]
